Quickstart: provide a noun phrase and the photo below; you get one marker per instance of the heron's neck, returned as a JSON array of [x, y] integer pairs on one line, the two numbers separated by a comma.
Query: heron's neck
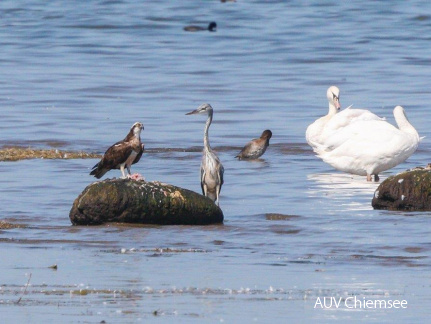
[[207, 126]]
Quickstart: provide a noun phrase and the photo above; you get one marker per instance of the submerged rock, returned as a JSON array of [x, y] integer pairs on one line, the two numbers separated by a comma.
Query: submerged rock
[[7, 225], [409, 190], [16, 153], [138, 201]]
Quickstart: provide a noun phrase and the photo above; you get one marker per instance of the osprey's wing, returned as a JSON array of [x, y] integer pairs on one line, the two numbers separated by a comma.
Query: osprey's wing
[[116, 155], [138, 157]]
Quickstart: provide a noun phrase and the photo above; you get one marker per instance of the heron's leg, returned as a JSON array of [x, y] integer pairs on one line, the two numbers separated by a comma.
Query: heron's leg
[[205, 190], [128, 169], [376, 178], [122, 171], [217, 195]]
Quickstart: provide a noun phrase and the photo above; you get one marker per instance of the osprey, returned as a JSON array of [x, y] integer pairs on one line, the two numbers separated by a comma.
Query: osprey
[[122, 154]]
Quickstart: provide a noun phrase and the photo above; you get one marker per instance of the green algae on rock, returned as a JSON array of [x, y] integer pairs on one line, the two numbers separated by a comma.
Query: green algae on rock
[[138, 201], [409, 190]]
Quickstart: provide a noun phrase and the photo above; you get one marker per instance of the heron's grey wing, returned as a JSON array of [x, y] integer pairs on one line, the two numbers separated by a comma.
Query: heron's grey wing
[[202, 180], [221, 174]]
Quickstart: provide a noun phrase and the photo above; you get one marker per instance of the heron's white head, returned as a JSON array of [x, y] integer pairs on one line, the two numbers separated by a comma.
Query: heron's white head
[[204, 108], [333, 95]]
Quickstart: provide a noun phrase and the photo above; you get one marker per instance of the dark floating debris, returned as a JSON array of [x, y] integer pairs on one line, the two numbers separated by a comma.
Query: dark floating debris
[[422, 17], [25, 289], [275, 216]]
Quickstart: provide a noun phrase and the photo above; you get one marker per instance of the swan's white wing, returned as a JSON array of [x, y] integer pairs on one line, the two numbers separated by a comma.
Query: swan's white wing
[[362, 131], [345, 118], [325, 127], [348, 115], [314, 131], [377, 147]]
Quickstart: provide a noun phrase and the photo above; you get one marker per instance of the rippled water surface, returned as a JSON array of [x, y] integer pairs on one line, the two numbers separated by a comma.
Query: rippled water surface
[[77, 74]]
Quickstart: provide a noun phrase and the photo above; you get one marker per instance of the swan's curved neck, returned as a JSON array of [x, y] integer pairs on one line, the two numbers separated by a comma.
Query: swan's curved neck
[[207, 126], [332, 110], [404, 124]]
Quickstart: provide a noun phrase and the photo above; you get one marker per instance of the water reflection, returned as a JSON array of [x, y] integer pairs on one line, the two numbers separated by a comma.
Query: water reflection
[[259, 163], [348, 192], [339, 184]]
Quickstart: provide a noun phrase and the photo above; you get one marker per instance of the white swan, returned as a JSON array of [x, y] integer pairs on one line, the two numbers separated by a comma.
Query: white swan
[[368, 147], [324, 127], [314, 131]]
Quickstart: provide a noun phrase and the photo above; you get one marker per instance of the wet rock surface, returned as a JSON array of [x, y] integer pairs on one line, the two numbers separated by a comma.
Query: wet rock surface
[[138, 201], [409, 190]]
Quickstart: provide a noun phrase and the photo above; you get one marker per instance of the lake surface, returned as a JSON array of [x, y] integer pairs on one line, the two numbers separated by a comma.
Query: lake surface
[[77, 74]]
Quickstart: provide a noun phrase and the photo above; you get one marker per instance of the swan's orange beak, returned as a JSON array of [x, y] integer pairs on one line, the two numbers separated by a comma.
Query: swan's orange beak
[[337, 104]]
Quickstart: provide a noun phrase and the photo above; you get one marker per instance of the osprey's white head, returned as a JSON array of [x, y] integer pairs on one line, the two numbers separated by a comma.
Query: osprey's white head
[[137, 128]]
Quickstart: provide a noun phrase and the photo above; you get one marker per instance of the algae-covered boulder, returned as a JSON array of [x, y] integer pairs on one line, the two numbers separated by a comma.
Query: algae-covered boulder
[[409, 190], [138, 201]]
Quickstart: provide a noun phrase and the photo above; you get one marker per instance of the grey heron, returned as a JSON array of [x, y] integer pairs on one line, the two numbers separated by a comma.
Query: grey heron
[[211, 168]]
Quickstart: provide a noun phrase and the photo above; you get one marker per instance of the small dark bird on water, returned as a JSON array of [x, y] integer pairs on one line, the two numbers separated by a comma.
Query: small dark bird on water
[[256, 147], [212, 27], [122, 154]]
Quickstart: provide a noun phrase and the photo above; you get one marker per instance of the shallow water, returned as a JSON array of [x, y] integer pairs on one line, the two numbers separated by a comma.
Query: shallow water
[[76, 76]]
